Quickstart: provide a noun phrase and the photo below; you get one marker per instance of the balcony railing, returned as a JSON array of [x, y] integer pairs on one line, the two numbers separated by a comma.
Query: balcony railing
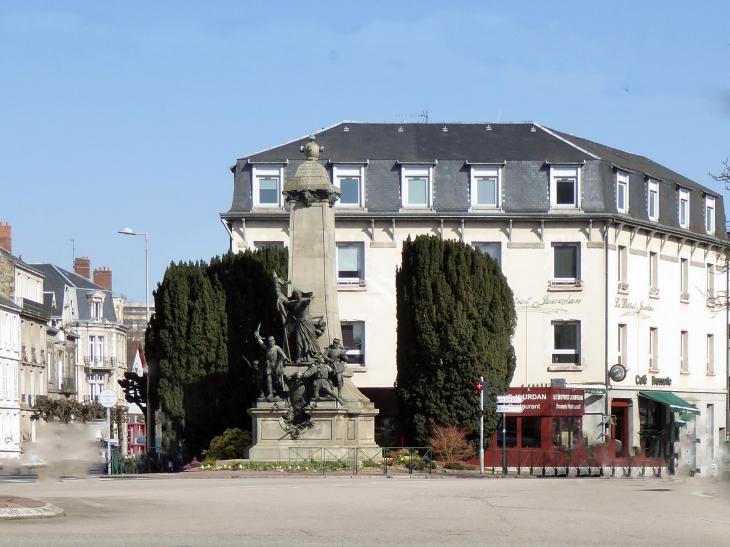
[[66, 385], [102, 362]]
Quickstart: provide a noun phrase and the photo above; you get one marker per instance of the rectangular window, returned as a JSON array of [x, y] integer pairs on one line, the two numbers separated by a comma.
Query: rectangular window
[[653, 348], [510, 428], [710, 281], [622, 192], [654, 270], [350, 262], [566, 348], [416, 187], [565, 187], [266, 187], [258, 245], [485, 188], [622, 256], [350, 183], [96, 350], [531, 434], [684, 351], [492, 249], [710, 354], [684, 279], [566, 262], [95, 309], [353, 339], [566, 432], [710, 214], [653, 200], [683, 208], [621, 359]]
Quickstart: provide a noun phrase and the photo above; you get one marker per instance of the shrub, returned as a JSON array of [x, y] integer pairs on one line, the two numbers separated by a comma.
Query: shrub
[[449, 443], [195, 464], [228, 446]]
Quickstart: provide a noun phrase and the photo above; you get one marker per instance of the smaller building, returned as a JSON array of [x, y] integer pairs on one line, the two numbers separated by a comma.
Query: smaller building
[[9, 366]]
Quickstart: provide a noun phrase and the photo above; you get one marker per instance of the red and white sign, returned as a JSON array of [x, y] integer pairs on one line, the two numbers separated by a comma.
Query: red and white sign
[[550, 401]]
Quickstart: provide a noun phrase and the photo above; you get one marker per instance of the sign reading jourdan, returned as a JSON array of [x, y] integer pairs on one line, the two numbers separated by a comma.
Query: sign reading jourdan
[[550, 401]]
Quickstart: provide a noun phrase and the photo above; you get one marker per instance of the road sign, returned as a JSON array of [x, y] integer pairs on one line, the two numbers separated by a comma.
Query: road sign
[[509, 409], [108, 398], [509, 399]]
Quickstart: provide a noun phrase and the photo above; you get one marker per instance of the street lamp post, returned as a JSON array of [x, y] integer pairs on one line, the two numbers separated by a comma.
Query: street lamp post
[[150, 411]]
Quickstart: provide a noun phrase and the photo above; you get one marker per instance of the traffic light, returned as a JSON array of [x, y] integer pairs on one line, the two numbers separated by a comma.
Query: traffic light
[[479, 386]]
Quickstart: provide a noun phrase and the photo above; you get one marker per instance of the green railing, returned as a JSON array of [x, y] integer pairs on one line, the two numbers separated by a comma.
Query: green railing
[[153, 462], [318, 459]]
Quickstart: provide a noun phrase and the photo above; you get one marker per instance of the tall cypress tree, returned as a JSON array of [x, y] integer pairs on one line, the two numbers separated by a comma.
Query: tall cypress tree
[[203, 325], [456, 320]]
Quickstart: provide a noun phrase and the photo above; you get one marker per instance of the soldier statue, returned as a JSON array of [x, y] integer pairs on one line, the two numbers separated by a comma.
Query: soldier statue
[[336, 355], [275, 359], [320, 370]]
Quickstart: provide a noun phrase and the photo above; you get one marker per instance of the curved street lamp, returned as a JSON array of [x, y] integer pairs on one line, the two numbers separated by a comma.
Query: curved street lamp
[[130, 232]]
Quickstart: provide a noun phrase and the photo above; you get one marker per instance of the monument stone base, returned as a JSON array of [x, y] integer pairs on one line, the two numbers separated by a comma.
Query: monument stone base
[[336, 432]]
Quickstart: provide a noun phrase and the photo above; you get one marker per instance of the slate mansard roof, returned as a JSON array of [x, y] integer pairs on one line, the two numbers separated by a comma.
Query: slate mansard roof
[[526, 150], [58, 279]]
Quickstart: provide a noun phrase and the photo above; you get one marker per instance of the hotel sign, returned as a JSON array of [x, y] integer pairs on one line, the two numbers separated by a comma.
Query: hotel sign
[[551, 401], [547, 300]]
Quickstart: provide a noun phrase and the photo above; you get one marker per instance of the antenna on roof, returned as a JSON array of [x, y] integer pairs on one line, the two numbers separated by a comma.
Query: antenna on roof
[[499, 113], [424, 116], [73, 251]]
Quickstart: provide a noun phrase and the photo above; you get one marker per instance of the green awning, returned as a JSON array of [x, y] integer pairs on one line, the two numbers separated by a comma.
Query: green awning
[[675, 403]]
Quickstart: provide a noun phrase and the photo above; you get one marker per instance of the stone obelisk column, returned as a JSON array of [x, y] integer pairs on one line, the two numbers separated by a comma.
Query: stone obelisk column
[[313, 253]]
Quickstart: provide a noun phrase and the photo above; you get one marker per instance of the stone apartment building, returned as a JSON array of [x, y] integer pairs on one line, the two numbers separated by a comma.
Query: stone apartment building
[[611, 258], [23, 285], [88, 311]]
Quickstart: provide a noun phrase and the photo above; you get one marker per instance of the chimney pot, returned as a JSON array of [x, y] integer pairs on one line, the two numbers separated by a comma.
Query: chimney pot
[[103, 277], [82, 267]]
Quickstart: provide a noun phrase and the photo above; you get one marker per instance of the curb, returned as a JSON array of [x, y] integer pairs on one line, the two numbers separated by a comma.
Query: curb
[[46, 511]]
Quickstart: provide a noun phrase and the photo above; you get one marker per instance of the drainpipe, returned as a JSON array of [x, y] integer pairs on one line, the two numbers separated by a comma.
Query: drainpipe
[[607, 409]]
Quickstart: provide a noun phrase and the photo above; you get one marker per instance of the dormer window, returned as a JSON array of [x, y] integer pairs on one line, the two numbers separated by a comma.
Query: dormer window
[[683, 196], [96, 305], [565, 187], [350, 182], [485, 187], [653, 200], [416, 187], [266, 186], [96, 309], [710, 214], [622, 192]]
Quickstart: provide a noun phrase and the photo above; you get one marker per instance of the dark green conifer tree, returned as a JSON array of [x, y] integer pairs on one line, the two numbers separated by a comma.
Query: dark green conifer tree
[[456, 319]]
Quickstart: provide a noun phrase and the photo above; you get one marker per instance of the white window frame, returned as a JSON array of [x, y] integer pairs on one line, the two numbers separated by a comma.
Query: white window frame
[[561, 172], [477, 173], [653, 270], [347, 173], [258, 173], [360, 352], [410, 172], [684, 351], [652, 187], [653, 348], [622, 343], [684, 278], [710, 212], [95, 310], [683, 199], [622, 259], [361, 247], [710, 281], [622, 181], [577, 277], [710, 354]]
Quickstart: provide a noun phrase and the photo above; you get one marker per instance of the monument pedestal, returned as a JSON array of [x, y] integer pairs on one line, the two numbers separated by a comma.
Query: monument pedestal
[[337, 430]]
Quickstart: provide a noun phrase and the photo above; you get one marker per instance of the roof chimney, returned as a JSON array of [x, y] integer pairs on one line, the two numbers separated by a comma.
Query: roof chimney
[[6, 237], [103, 277], [82, 267]]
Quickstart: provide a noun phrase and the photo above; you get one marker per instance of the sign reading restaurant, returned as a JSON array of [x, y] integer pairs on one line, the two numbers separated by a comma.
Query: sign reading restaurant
[[550, 401]]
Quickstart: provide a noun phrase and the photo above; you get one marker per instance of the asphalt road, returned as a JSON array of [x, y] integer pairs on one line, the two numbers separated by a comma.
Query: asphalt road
[[286, 510]]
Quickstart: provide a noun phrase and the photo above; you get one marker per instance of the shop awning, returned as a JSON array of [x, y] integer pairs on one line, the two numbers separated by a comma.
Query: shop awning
[[675, 403]]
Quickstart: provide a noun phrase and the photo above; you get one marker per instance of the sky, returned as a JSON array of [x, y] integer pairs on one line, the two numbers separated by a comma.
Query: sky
[[130, 114]]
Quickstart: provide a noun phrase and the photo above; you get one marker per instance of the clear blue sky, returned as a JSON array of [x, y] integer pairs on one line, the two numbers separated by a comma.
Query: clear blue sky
[[130, 114]]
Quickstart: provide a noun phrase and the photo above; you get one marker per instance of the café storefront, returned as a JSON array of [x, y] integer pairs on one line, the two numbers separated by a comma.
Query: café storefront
[[550, 421]]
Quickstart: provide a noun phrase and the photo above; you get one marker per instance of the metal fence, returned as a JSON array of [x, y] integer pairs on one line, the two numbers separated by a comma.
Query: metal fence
[[581, 461], [410, 459]]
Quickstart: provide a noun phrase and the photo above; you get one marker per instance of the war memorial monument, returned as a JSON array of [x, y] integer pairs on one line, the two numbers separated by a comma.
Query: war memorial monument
[[307, 400]]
